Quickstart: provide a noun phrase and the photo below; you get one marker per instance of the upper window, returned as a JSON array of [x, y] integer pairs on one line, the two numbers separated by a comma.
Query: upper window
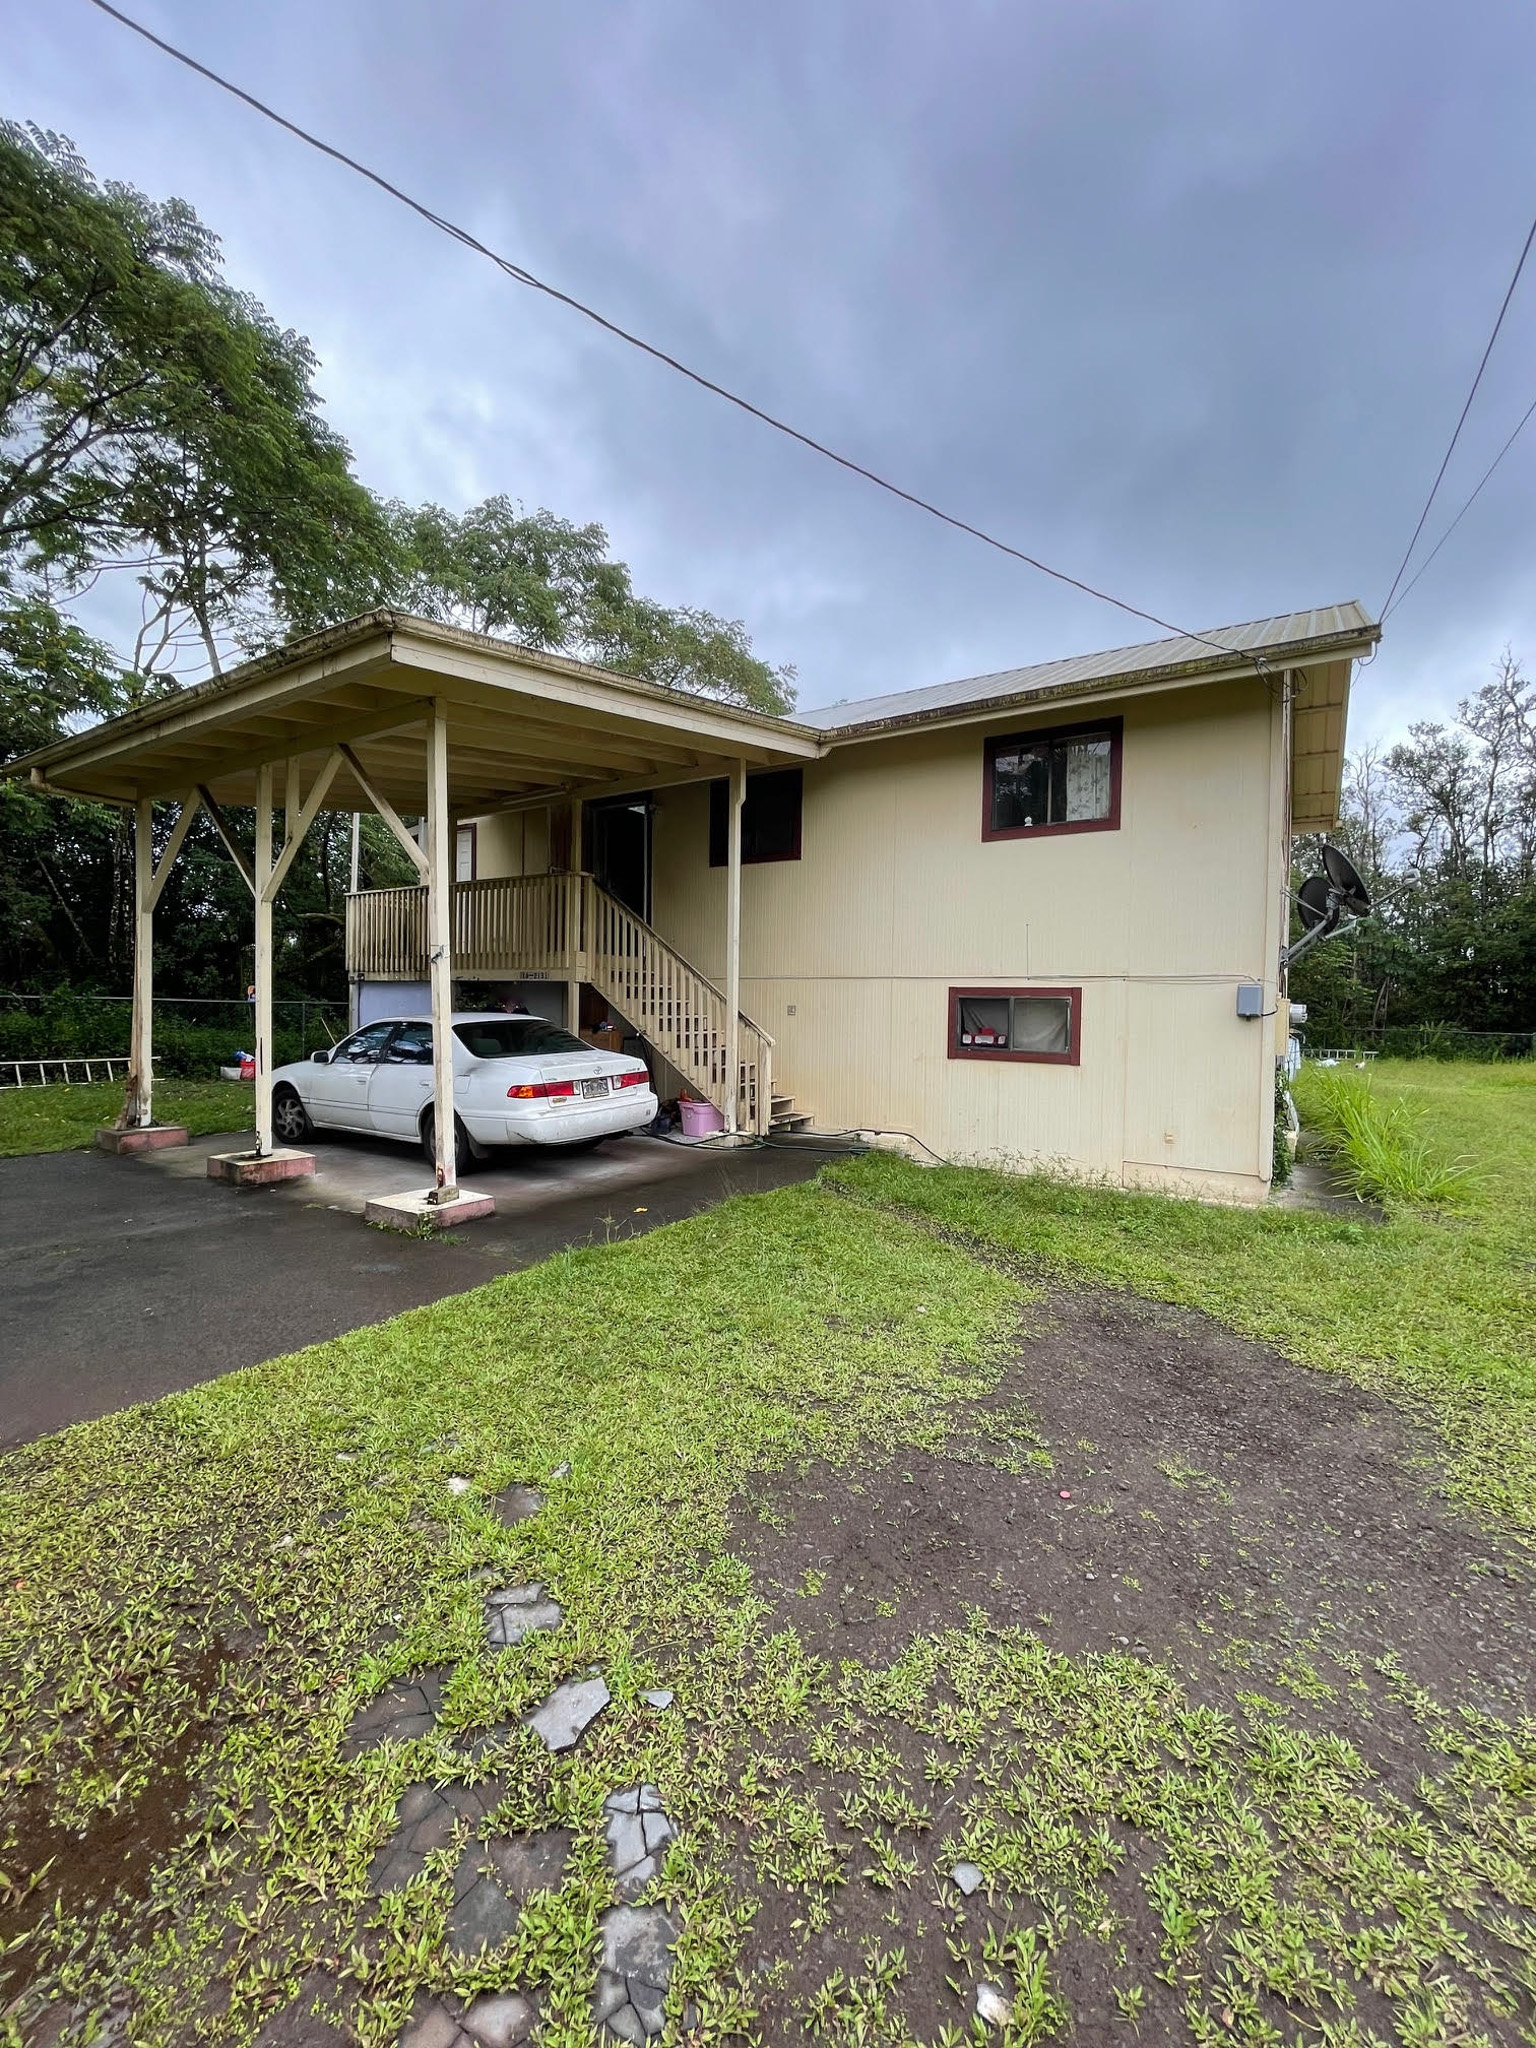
[[770, 818], [1067, 780], [466, 853], [1016, 1024]]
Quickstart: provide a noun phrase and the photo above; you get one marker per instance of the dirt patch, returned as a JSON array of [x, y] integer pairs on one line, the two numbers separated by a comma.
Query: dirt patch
[[1182, 1496], [111, 1860], [1187, 1494]]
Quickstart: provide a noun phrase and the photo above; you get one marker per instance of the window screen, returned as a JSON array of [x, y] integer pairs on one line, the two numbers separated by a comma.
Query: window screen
[[1052, 781], [770, 818], [1028, 1025]]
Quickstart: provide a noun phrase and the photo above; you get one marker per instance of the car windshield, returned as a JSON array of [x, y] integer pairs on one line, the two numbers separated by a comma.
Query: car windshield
[[514, 1038]]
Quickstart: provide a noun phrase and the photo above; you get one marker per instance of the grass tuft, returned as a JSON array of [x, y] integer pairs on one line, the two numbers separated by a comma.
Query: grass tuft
[[1382, 1148]]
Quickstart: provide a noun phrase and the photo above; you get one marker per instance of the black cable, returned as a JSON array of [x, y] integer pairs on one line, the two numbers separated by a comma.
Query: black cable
[[526, 277], [1466, 508], [1461, 422]]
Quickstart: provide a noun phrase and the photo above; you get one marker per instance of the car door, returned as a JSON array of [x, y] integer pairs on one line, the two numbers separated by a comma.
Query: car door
[[400, 1085], [338, 1091]]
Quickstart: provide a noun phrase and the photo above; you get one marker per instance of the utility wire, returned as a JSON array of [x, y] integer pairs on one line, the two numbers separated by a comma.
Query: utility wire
[[526, 277], [1461, 422], [1466, 508]]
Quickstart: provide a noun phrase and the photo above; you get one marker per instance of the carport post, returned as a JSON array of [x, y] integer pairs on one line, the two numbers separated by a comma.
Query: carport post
[[738, 796], [262, 963], [141, 1047], [440, 947]]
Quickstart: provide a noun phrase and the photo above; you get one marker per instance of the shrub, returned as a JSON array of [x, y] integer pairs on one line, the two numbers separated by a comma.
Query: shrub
[[73, 1026], [1380, 1147]]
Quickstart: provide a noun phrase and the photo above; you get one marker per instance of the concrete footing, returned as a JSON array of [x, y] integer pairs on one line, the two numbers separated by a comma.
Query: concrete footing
[[140, 1137], [413, 1212], [260, 1170]]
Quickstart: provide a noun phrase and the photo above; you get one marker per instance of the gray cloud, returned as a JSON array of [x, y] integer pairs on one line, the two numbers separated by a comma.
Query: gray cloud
[[1184, 299]]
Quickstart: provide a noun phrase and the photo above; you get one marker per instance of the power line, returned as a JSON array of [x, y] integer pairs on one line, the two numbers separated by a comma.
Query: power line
[[537, 284], [1461, 422], [1525, 417]]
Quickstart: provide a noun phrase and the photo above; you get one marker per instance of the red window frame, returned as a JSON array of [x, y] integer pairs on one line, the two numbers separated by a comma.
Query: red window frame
[[1113, 727], [1072, 1057]]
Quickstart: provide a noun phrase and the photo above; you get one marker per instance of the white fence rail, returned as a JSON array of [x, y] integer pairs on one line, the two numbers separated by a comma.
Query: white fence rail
[[68, 1073]]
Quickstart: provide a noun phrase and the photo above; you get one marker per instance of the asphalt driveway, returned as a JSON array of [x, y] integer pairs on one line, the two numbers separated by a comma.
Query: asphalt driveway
[[125, 1279]]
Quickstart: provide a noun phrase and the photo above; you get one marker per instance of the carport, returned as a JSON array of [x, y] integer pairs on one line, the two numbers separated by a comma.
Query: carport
[[391, 714]]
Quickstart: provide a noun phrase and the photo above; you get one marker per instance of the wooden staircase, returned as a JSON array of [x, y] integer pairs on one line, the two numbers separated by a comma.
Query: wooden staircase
[[567, 928], [784, 1117]]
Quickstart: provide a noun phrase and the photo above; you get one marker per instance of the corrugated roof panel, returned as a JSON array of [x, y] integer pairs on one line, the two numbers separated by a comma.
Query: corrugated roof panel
[[1291, 631]]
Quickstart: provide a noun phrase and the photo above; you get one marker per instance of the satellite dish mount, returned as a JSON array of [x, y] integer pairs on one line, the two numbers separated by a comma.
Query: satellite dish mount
[[1329, 904]]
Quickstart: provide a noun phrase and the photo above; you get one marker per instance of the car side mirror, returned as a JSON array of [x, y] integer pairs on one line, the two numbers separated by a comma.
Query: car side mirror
[[321, 1058]]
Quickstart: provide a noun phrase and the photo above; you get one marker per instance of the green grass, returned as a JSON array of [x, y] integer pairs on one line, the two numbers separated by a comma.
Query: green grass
[[64, 1119], [1380, 1147], [1439, 1310], [214, 1583]]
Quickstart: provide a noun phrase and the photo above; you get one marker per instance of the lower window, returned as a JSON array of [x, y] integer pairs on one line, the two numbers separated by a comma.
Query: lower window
[[1016, 1024]]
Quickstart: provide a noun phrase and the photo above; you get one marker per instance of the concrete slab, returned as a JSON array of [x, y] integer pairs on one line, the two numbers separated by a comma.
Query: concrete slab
[[140, 1138], [415, 1210], [261, 1169], [128, 1278]]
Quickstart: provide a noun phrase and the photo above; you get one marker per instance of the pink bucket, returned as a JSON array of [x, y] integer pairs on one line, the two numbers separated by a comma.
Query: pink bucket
[[700, 1119]]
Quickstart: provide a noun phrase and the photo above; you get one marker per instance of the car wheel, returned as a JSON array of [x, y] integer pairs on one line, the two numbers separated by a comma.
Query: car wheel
[[290, 1119], [462, 1152]]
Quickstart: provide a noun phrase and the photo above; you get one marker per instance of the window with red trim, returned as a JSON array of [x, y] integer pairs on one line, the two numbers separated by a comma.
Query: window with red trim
[[1016, 1024], [1064, 780]]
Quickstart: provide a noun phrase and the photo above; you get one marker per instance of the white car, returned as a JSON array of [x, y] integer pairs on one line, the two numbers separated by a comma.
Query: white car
[[517, 1080]]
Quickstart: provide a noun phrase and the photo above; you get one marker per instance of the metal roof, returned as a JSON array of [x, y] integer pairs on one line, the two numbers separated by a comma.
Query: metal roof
[[1281, 642]]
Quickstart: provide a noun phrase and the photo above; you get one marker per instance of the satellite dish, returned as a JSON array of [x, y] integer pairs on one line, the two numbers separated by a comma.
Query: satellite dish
[[1347, 885], [1312, 902]]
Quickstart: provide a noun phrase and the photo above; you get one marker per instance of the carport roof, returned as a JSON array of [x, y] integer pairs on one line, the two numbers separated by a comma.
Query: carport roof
[[520, 724], [525, 726]]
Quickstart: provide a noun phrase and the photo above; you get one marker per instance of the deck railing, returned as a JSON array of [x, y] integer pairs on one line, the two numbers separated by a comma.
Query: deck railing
[[564, 927]]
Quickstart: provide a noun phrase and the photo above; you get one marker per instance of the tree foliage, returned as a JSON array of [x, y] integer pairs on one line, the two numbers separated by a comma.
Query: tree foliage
[[1443, 827], [549, 584], [153, 419]]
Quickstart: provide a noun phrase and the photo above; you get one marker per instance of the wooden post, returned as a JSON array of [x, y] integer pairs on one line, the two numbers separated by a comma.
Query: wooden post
[[140, 1104], [440, 871], [575, 931], [738, 796], [262, 962]]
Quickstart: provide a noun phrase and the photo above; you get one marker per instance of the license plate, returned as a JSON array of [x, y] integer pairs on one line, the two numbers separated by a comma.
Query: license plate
[[597, 1087]]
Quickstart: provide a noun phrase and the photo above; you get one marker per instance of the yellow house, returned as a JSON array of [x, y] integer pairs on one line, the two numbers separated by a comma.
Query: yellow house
[[1032, 918]]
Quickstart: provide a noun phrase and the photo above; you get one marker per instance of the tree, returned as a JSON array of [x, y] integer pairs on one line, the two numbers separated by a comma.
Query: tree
[[551, 585], [1443, 826], [60, 859], [153, 419]]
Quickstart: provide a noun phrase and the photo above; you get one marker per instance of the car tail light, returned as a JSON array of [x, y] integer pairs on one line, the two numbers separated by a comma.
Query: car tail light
[[636, 1080], [539, 1091]]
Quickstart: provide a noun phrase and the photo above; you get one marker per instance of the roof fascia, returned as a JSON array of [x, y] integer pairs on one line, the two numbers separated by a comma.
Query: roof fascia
[[1104, 689], [173, 718], [732, 728]]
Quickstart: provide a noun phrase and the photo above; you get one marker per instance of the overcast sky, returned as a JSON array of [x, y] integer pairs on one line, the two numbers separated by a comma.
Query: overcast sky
[[1183, 298]]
